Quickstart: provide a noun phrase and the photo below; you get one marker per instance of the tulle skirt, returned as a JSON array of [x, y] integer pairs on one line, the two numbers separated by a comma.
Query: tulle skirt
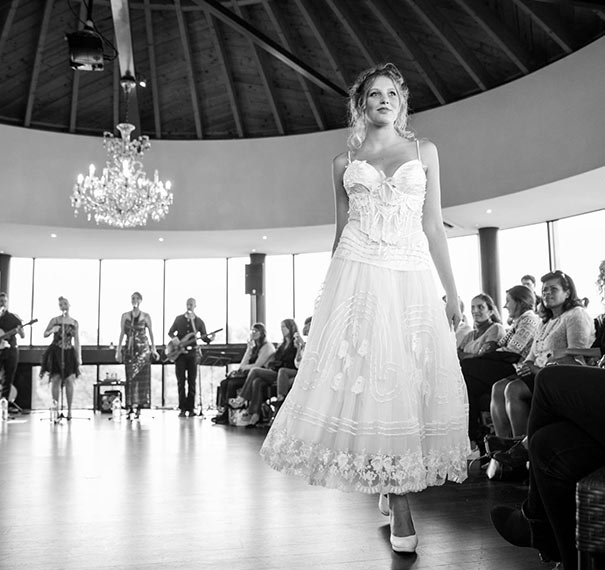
[[379, 403], [58, 361]]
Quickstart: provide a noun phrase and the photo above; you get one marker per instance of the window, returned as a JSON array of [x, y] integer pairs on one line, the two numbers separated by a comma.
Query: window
[[466, 266], [309, 273], [20, 292], [279, 294], [78, 281], [237, 300]]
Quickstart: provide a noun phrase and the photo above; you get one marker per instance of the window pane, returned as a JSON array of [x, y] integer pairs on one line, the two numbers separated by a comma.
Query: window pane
[[279, 302], [239, 302], [309, 273], [121, 278], [203, 279], [83, 388], [522, 251], [78, 281], [466, 266], [579, 254], [20, 291]]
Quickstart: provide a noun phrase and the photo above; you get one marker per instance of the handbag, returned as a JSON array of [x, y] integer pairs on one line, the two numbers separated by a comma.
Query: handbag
[[239, 417]]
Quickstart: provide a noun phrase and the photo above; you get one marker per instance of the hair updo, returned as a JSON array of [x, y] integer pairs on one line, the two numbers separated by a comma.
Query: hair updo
[[358, 97]]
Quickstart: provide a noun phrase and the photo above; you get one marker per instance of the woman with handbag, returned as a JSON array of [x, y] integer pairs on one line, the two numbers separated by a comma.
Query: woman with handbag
[[482, 371], [261, 377], [258, 352]]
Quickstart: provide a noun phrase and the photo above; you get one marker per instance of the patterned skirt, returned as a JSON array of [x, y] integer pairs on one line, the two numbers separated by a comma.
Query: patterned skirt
[[379, 403]]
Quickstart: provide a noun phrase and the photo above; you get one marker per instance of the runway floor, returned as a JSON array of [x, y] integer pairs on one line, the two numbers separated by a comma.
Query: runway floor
[[181, 493]]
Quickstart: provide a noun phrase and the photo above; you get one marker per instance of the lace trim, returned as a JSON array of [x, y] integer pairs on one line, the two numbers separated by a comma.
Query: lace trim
[[364, 472]]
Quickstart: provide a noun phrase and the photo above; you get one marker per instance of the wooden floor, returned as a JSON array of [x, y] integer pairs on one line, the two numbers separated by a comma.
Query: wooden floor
[[172, 493]]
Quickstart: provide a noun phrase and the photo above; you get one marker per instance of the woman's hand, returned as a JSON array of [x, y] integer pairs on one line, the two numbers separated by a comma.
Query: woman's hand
[[486, 347], [155, 355], [298, 341], [527, 369], [452, 311]]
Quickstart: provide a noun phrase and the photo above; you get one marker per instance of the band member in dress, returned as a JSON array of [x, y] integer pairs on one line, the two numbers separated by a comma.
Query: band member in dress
[[9, 352], [186, 328], [62, 359]]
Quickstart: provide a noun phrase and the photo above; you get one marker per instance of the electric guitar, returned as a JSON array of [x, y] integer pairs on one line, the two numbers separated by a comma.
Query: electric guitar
[[4, 335], [176, 347]]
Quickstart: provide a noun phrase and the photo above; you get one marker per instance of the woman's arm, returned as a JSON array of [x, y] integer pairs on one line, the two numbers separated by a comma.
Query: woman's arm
[[245, 363], [579, 333], [154, 352], [341, 200], [51, 328], [432, 223], [122, 333], [77, 343]]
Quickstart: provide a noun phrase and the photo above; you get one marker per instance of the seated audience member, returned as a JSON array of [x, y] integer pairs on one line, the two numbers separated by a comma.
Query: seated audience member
[[285, 376], [260, 377], [481, 372], [566, 325], [566, 435], [257, 353], [530, 282], [487, 330]]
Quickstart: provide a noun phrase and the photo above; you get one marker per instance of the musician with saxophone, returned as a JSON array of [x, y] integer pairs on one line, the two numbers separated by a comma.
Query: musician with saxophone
[[184, 333], [10, 326]]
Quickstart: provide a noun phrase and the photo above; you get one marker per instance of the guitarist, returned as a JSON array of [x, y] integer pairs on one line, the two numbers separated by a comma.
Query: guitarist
[[9, 354], [186, 328]]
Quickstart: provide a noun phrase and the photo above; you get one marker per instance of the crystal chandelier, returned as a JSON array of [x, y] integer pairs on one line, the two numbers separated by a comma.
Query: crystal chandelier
[[122, 196]]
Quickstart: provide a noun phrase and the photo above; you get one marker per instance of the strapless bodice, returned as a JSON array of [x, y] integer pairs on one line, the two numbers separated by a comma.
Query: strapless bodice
[[385, 216]]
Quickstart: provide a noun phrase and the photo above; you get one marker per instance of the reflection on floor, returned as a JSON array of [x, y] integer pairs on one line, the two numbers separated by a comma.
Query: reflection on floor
[[181, 493]]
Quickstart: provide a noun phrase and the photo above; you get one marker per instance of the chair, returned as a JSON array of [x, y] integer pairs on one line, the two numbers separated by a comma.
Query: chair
[[590, 521]]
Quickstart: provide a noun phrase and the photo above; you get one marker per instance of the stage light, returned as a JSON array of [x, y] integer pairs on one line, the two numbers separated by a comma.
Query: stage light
[[85, 49]]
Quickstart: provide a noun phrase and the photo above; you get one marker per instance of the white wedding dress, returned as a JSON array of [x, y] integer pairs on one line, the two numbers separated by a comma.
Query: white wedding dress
[[379, 403]]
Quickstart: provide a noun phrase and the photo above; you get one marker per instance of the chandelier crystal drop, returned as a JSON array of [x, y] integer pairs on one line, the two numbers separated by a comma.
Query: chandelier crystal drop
[[122, 196]]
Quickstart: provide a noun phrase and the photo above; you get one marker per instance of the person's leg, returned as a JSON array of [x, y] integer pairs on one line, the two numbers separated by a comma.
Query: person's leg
[[180, 367], [480, 374], [191, 381], [262, 379], [403, 533], [517, 397], [498, 409], [55, 388], [10, 360], [561, 454], [246, 392], [69, 393], [285, 379]]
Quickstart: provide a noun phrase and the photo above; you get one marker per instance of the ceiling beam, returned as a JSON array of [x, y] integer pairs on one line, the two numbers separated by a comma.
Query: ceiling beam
[[276, 18], [33, 84], [498, 32], [155, 93], [342, 9], [271, 47], [587, 5], [6, 26], [443, 30], [268, 85], [228, 76], [320, 33], [75, 83], [549, 23], [392, 23], [123, 43]]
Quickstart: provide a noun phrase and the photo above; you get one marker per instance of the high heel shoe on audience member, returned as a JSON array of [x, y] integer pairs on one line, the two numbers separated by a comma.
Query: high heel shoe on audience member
[[516, 456], [383, 504], [493, 443], [254, 419], [222, 418], [404, 543], [237, 402]]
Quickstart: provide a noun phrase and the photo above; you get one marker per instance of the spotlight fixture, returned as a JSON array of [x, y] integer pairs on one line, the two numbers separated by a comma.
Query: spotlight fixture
[[85, 49]]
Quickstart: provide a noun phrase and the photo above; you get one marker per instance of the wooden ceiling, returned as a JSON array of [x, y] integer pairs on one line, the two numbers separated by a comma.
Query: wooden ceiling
[[254, 68]]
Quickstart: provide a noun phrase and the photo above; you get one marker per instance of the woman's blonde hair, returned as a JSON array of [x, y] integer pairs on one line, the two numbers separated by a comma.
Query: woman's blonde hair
[[358, 98]]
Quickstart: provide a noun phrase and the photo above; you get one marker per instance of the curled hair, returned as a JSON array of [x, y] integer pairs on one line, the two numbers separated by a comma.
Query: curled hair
[[258, 343], [495, 316], [358, 94], [601, 280], [522, 296], [567, 284]]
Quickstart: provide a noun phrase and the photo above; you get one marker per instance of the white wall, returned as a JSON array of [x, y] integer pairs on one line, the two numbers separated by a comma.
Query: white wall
[[543, 127]]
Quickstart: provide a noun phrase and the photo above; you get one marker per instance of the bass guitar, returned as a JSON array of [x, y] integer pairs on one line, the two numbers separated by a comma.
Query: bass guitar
[[4, 335], [176, 347]]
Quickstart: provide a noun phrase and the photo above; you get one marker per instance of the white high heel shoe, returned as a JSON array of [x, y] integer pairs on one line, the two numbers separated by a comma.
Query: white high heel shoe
[[383, 504], [404, 543]]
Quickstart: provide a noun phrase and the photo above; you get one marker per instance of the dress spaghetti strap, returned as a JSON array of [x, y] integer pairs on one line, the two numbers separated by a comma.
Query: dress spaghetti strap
[[348, 157], [418, 150]]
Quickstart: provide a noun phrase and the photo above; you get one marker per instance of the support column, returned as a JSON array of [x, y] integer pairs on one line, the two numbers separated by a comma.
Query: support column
[[490, 263], [5, 262], [255, 287]]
